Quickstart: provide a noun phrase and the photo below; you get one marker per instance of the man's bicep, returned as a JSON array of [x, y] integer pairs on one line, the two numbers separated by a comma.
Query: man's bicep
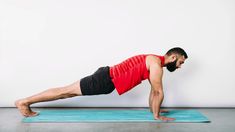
[[156, 77]]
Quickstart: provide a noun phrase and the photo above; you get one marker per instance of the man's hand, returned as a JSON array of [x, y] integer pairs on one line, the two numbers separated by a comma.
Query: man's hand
[[163, 118]]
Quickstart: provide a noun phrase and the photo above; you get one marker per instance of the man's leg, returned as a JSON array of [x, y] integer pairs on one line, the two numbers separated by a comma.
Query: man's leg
[[51, 94]]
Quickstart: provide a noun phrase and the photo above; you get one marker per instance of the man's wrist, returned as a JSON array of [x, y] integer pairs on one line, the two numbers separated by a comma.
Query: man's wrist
[[156, 115]]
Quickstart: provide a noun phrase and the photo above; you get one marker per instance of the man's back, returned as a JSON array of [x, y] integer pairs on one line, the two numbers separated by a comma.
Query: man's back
[[130, 72]]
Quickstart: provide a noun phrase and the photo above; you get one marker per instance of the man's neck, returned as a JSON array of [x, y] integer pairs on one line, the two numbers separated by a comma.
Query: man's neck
[[166, 60]]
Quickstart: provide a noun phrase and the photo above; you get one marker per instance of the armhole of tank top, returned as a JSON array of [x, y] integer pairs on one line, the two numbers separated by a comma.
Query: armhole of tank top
[[146, 64], [157, 56]]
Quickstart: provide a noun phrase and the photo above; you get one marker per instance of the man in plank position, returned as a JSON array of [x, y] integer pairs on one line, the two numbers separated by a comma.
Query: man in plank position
[[122, 77]]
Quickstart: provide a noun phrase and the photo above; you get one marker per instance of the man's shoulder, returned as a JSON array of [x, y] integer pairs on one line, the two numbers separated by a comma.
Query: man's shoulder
[[152, 60]]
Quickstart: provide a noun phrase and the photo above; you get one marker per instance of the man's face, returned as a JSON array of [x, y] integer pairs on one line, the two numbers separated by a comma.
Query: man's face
[[176, 63]]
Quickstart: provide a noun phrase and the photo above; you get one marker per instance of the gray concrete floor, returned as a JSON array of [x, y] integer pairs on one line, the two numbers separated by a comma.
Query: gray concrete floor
[[222, 120]]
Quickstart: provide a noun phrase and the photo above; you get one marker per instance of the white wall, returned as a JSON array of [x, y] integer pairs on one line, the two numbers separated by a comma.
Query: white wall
[[52, 43]]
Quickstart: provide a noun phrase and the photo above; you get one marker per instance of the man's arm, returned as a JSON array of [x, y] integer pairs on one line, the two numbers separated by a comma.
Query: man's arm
[[151, 101], [156, 73], [157, 90]]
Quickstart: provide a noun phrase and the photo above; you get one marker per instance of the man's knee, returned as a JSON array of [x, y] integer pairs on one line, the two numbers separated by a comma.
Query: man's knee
[[74, 89]]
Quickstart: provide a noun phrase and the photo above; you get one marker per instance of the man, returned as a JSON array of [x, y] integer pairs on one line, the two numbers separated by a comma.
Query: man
[[122, 77]]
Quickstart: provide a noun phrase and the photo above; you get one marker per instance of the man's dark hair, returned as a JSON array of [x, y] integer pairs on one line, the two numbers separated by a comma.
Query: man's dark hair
[[177, 50]]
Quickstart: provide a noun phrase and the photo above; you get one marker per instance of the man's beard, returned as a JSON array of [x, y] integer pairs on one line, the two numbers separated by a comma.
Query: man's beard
[[171, 66]]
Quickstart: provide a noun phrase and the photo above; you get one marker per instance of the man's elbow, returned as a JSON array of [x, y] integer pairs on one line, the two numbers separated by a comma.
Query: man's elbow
[[157, 92]]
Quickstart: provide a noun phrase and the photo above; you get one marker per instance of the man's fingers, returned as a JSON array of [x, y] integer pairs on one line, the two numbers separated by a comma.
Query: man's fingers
[[163, 118], [170, 119], [167, 119]]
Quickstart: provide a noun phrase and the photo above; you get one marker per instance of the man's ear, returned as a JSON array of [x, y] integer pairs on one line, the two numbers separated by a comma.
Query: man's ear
[[173, 57]]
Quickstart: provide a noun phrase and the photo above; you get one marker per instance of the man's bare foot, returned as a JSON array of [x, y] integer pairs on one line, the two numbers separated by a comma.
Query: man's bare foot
[[24, 108]]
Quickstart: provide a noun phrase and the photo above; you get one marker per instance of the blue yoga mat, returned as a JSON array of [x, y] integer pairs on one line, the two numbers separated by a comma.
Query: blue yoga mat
[[97, 115]]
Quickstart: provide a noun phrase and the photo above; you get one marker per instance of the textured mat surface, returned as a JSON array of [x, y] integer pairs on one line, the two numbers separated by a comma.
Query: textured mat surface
[[97, 115]]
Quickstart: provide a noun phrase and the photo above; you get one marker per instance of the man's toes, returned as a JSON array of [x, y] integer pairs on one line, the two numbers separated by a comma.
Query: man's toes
[[36, 113], [33, 114]]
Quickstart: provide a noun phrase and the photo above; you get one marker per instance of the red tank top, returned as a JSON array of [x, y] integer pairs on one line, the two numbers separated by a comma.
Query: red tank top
[[130, 72]]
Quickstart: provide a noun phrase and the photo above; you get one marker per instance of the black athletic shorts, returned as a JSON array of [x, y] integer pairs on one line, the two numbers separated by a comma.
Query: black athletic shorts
[[97, 83]]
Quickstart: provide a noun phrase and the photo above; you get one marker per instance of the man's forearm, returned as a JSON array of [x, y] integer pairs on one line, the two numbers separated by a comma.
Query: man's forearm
[[151, 100], [157, 101]]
